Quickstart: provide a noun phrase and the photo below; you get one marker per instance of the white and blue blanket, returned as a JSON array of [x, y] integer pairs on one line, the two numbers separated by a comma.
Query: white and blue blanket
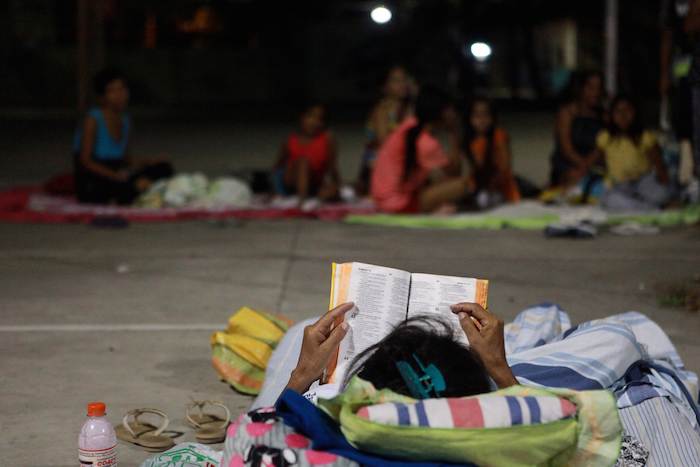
[[626, 353]]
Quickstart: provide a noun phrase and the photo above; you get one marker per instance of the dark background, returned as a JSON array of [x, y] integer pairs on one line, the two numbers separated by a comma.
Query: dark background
[[260, 58]]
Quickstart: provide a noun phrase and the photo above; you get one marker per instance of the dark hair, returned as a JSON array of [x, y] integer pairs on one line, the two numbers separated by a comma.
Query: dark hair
[[584, 78], [574, 89], [305, 106], [636, 127], [104, 77], [389, 70], [432, 340], [430, 104], [485, 172]]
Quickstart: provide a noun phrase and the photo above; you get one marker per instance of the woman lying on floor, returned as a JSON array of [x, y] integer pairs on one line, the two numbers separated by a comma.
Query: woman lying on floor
[[627, 354], [104, 170]]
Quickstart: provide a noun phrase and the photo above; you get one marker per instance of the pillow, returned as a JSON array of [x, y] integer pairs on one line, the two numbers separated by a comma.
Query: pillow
[[483, 411], [575, 428]]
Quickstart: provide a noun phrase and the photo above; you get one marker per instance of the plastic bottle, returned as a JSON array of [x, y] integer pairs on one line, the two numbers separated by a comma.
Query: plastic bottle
[[97, 442]]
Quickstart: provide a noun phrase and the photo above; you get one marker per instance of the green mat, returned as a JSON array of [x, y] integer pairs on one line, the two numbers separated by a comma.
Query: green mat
[[673, 217], [687, 216]]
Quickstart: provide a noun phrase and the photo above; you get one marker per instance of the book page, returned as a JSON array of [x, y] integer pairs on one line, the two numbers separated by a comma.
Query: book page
[[433, 295], [380, 295]]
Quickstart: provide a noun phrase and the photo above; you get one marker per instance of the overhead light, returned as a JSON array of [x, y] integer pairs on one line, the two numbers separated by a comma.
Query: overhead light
[[480, 50], [381, 15]]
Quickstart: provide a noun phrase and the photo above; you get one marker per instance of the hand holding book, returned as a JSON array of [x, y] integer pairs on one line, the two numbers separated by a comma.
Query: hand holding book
[[485, 334], [320, 345]]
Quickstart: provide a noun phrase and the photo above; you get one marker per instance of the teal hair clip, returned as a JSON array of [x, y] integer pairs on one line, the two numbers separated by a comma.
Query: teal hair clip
[[424, 385]]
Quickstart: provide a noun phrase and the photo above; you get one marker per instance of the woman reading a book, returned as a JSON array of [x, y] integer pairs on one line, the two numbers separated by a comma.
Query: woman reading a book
[[544, 351], [465, 369]]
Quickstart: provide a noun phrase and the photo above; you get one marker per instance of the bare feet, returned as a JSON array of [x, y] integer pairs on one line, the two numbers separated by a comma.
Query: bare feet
[[446, 209], [142, 184]]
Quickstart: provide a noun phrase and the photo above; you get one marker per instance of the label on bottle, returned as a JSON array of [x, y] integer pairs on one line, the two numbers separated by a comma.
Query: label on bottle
[[98, 457]]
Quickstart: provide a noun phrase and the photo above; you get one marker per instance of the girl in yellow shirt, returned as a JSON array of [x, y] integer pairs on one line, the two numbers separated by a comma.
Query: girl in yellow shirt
[[636, 174]]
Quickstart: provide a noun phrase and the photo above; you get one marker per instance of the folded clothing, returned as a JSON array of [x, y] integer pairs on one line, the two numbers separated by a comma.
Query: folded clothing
[[241, 352]]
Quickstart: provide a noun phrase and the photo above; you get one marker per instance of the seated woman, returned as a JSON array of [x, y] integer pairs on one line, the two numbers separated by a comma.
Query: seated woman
[[636, 173], [387, 114], [412, 172], [104, 170], [577, 125], [487, 149], [307, 165]]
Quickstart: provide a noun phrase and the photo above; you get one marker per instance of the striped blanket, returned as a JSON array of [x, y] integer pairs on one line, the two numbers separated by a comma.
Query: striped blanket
[[627, 353]]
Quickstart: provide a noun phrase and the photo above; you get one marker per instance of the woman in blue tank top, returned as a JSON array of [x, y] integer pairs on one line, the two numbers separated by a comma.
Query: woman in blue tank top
[[104, 171]]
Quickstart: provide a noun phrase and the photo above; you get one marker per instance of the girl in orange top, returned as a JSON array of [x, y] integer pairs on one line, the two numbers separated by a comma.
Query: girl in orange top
[[413, 173], [487, 150], [307, 165]]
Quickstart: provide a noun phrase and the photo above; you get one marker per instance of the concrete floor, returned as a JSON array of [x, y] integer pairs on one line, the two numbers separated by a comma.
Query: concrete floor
[[58, 283], [58, 279]]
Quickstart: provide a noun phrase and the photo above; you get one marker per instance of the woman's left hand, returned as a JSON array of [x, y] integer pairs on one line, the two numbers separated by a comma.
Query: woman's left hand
[[484, 331], [321, 341]]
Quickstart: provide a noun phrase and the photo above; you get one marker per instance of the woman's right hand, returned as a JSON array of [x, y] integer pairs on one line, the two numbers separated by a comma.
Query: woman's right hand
[[320, 344], [484, 331]]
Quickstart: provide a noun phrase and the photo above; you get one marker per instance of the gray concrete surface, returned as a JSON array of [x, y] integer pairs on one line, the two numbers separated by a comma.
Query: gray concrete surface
[[58, 282], [56, 278]]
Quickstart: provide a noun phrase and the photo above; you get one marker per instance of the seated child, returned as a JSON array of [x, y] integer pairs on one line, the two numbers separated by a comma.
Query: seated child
[[636, 175], [487, 150], [307, 165], [412, 172], [104, 170], [394, 106]]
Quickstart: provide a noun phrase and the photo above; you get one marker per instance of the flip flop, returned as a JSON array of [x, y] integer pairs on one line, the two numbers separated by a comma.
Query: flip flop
[[209, 428], [143, 434]]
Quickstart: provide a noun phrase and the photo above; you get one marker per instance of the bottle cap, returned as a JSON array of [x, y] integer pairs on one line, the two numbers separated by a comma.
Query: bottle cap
[[96, 409]]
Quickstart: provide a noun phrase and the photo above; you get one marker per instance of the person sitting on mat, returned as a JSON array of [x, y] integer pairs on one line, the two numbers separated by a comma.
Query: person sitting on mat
[[394, 106], [412, 172], [307, 165], [578, 122], [636, 174], [104, 170], [487, 149]]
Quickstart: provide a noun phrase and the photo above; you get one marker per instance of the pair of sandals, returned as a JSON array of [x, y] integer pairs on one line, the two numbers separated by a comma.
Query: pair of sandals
[[209, 428]]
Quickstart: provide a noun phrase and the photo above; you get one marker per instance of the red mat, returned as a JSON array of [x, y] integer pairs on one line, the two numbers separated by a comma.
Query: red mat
[[33, 205]]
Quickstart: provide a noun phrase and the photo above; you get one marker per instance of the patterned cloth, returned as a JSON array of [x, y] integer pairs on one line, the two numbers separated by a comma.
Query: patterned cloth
[[306, 438], [259, 438], [483, 411], [632, 453], [667, 434], [627, 353], [186, 455]]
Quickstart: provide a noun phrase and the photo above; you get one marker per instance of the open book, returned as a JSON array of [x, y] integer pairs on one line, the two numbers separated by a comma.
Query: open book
[[385, 297]]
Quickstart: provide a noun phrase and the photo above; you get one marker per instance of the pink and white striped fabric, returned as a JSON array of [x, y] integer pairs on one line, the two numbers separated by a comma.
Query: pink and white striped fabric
[[485, 411]]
